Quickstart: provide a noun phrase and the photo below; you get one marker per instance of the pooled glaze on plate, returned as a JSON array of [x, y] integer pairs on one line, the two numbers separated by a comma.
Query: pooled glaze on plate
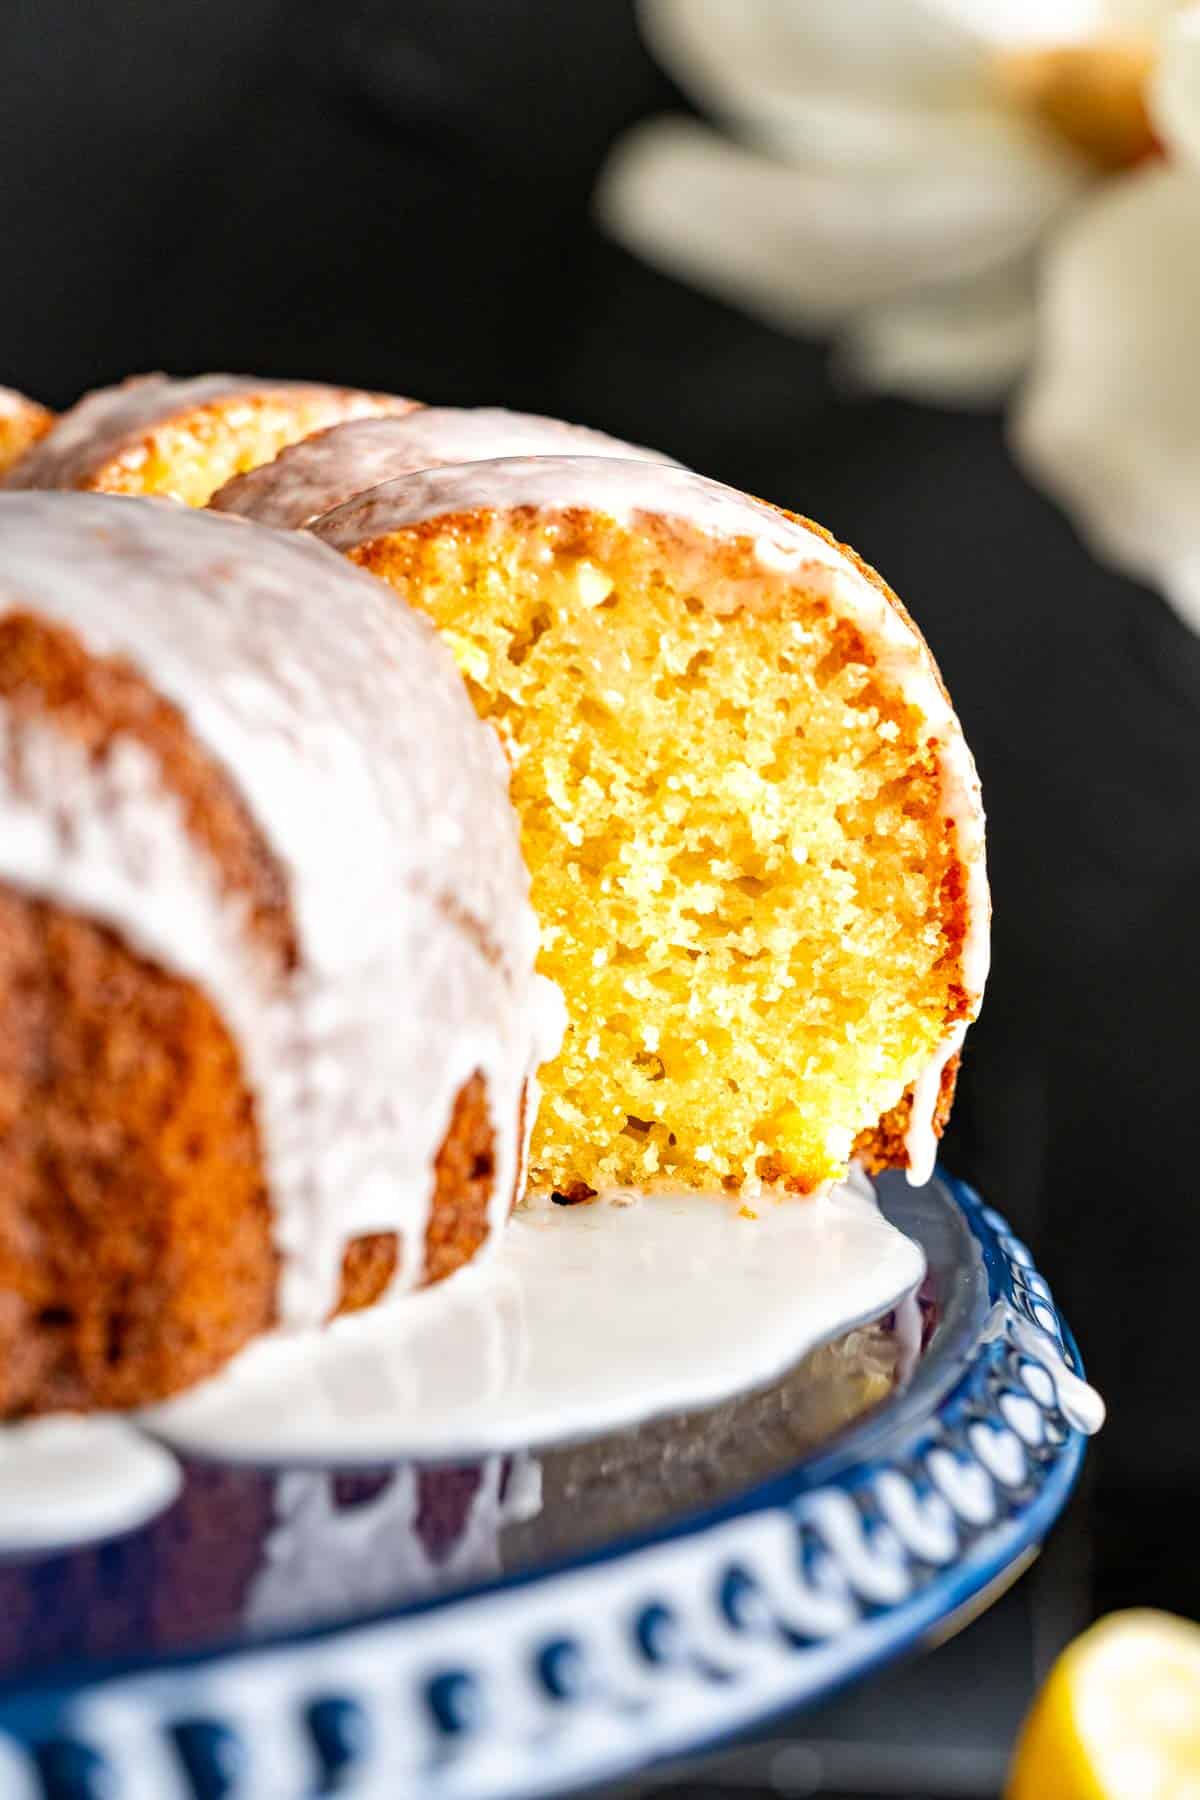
[[588, 1318], [244, 1551], [67, 1480]]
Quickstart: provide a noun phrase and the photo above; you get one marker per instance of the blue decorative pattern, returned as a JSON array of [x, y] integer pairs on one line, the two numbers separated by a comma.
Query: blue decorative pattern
[[532, 1685]]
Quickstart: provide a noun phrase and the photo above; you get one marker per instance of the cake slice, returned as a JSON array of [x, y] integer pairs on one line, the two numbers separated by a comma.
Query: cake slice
[[156, 435], [752, 822], [312, 477], [268, 1010]]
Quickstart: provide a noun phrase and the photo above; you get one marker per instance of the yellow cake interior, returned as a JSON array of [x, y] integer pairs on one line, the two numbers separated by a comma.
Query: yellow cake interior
[[189, 458], [735, 844]]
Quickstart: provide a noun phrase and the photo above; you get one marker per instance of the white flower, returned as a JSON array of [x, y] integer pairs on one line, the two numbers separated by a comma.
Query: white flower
[[888, 170], [1110, 419]]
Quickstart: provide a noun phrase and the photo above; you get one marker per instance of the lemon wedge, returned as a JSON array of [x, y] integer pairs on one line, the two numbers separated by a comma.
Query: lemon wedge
[[1119, 1717]]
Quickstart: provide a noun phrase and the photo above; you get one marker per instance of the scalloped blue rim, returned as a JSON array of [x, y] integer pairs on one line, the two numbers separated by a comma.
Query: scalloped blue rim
[[43, 1728]]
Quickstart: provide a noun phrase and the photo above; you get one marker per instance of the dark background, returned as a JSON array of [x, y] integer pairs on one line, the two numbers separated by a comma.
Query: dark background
[[396, 194]]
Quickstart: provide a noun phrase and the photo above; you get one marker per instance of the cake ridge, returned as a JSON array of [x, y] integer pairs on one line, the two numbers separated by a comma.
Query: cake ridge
[[107, 440], [320, 472], [316, 695]]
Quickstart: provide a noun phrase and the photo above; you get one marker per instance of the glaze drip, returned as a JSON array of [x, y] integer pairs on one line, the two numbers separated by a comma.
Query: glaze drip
[[323, 471], [345, 728]]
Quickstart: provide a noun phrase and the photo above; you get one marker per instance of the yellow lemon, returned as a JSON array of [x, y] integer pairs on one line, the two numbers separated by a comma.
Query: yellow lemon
[[1119, 1717]]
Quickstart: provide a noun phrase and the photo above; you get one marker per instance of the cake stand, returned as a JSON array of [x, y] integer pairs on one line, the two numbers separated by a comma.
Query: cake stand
[[547, 1619]]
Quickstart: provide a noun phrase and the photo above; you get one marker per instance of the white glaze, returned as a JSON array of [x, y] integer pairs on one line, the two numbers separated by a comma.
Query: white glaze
[[1078, 1401], [69, 1480], [107, 424], [346, 729], [625, 490], [920, 1138], [588, 1318], [324, 471]]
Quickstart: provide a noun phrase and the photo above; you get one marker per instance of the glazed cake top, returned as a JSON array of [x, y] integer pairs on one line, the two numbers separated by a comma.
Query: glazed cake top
[[344, 725], [312, 477], [100, 426]]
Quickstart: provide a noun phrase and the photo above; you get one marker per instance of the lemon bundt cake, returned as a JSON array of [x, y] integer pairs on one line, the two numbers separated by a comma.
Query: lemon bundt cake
[[155, 435], [752, 823], [268, 1010], [22, 423], [311, 477]]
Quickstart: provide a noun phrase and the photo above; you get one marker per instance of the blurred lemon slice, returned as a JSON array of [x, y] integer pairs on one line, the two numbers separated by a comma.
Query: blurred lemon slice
[[1119, 1717]]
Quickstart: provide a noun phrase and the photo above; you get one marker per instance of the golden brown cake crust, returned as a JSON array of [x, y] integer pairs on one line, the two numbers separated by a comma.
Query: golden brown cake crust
[[458, 1221], [136, 1249], [136, 1244], [22, 423], [136, 1228], [886, 1147], [136, 1232]]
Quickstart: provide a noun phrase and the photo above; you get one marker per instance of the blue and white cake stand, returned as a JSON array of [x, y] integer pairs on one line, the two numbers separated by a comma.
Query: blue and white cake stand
[[537, 1623]]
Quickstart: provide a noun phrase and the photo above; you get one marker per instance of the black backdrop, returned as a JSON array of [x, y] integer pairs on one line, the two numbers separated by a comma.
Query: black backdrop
[[397, 194]]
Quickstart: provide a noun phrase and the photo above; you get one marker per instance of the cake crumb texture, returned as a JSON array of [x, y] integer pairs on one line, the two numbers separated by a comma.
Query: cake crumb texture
[[750, 893]]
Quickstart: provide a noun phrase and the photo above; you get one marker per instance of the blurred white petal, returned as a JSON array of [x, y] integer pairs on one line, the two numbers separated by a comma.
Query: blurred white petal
[[1004, 23], [732, 55], [740, 55], [1175, 90], [1110, 419], [964, 347], [1144, 16], [801, 247], [864, 137], [839, 127]]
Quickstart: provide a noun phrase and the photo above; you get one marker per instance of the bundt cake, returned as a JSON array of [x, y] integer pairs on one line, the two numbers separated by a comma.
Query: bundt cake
[[268, 1010], [312, 477], [155, 435], [22, 423], [752, 822]]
